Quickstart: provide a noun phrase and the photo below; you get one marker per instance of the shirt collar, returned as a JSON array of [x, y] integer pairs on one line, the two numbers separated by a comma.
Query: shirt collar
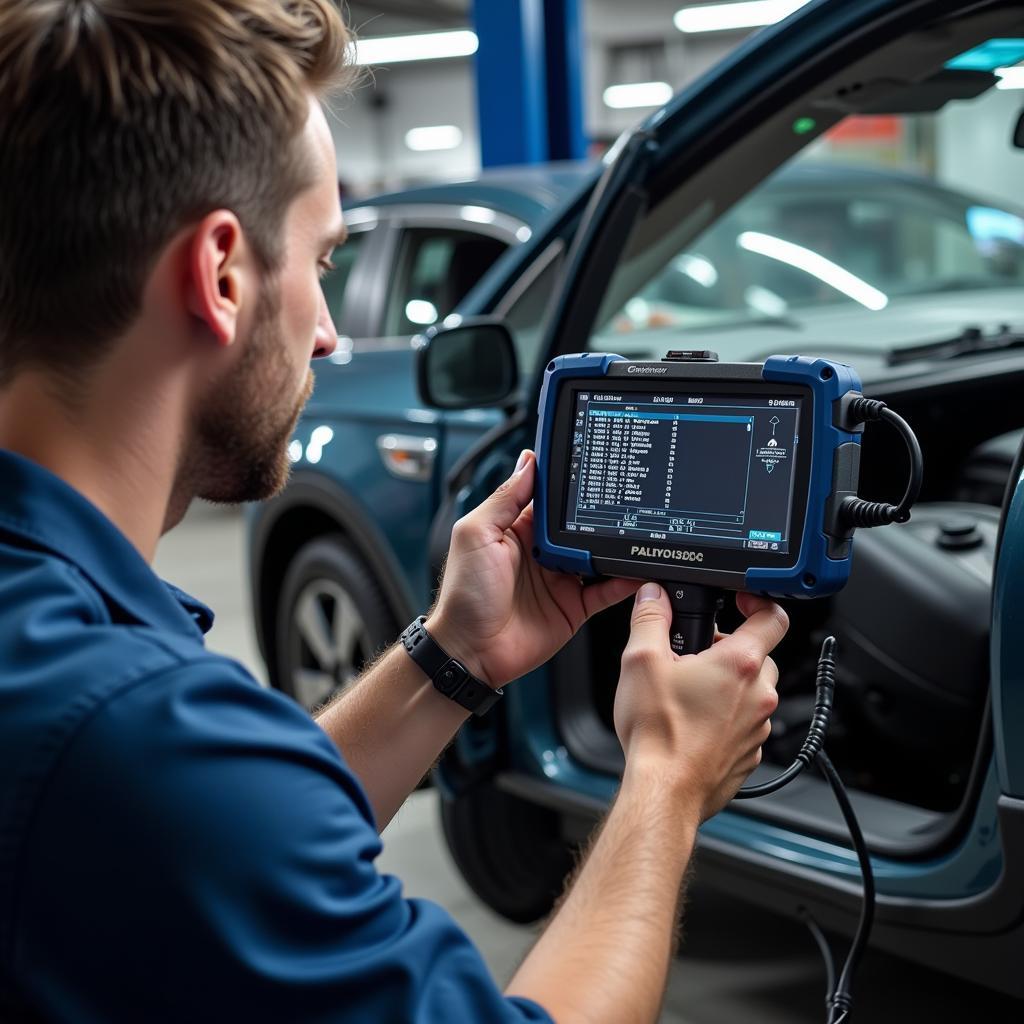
[[44, 512]]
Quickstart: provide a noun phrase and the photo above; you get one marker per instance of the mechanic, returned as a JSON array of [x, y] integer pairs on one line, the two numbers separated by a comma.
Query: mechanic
[[176, 842]]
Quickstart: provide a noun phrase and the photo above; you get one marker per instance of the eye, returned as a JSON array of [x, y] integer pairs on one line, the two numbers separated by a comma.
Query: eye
[[325, 267]]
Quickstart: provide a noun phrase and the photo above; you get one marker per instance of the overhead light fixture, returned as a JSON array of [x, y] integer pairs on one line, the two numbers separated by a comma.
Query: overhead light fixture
[[421, 46], [816, 265], [1010, 78], [698, 268], [432, 137], [746, 14], [637, 94]]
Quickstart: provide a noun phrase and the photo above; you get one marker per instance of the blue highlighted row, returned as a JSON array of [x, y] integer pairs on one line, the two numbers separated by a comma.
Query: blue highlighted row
[[763, 535], [694, 417]]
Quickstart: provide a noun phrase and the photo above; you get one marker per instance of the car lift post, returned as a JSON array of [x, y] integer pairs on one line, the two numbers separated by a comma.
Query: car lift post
[[529, 81]]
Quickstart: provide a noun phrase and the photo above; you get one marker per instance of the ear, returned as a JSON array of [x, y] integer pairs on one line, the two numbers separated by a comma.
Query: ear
[[215, 274]]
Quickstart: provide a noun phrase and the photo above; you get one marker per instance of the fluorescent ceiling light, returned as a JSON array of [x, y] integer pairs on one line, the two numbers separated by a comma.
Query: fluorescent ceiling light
[[1010, 78], [747, 14], [638, 94], [438, 136], [816, 265], [422, 46], [699, 268]]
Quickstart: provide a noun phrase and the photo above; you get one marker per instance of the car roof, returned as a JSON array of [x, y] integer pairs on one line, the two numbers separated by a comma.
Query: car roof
[[527, 193]]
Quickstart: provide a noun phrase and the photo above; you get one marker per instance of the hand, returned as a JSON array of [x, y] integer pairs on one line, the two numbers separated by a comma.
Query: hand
[[499, 612], [698, 719]]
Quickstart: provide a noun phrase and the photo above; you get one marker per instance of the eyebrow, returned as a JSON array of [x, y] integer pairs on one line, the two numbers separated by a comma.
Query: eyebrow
[[333, 239]]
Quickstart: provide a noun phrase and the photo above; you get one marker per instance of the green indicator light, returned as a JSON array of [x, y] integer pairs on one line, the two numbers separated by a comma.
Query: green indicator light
[[803, 125]]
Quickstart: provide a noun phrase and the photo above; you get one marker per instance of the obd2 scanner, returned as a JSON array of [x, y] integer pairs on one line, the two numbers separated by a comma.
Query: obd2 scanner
[[706, 477]]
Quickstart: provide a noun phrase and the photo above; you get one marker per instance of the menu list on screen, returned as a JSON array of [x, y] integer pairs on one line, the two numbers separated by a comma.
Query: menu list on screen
[[713, 469]]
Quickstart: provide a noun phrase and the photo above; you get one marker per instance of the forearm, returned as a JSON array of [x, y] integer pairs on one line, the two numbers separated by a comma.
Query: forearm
[[605, 955], [390, 727]]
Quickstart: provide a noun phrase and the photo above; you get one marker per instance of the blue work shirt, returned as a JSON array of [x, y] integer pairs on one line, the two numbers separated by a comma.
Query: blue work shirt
[[176, 842]]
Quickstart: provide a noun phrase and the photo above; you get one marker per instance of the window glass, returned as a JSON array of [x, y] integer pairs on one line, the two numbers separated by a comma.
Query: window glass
[[344, 259], [861, 240], [436, 269]]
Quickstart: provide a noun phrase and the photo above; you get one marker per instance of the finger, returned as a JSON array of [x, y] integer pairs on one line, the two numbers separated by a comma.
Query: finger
[[652, 616], [599, 596], [504, 506], [756, 638], [750, 603]]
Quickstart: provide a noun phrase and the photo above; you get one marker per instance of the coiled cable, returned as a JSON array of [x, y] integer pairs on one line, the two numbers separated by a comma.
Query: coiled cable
[[856, 512]]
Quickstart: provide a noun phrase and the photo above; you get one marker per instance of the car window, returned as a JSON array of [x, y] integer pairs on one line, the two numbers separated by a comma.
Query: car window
[[436, 269], [870, 221], [344, 259]]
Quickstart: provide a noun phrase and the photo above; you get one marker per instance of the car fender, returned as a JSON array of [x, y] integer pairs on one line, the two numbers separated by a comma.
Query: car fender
[[311, 506]]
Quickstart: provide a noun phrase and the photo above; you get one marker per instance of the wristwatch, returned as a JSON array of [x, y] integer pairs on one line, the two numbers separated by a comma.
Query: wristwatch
[[449, 676]]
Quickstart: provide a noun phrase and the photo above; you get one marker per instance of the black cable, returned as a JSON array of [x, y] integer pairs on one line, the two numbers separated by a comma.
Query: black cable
[[857, 512], [824, 688], [838, 992], [826, 951], [841, 1000]]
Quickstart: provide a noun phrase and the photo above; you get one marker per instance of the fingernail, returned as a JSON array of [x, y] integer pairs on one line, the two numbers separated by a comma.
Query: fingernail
[[648, 592], [523, 456]]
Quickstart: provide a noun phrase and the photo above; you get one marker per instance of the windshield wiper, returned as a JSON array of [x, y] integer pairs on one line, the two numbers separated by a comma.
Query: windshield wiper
[[970, 341]]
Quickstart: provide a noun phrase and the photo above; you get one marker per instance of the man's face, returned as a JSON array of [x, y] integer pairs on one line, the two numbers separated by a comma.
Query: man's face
[[244, 427]]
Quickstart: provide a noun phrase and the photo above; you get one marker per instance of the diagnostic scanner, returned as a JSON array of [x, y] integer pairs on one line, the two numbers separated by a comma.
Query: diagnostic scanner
[[706, 476]]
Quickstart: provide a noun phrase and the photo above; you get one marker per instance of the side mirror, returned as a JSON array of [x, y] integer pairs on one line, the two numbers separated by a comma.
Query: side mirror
[[1018, 132], [468, 365]]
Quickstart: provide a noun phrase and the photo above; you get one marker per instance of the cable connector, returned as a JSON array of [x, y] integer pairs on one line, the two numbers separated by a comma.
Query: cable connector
[[824, 691], [825, 686], [838, 1007], [857, 513]]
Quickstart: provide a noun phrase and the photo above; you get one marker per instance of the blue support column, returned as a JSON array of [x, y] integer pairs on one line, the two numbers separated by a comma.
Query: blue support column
[[511, 81], [529, 81], [564, 52]]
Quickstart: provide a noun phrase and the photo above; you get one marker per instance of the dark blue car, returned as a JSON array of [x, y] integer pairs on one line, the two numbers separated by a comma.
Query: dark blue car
[[739, 219]]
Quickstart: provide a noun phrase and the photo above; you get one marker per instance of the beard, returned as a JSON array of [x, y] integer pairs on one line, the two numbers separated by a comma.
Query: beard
[[239, 451]]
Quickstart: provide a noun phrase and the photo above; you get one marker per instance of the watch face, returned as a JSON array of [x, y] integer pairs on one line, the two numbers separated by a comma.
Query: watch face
[[451, 676]]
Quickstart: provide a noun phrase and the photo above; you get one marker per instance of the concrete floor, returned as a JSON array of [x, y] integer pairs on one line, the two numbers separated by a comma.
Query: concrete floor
[[739, 965]]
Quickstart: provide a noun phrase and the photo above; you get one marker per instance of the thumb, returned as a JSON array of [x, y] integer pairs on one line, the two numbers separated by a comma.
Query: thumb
[[652, 616], [504, 506]]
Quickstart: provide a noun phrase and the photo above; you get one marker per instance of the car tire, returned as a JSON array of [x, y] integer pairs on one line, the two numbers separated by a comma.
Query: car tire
[[332, 618], [510, 852]]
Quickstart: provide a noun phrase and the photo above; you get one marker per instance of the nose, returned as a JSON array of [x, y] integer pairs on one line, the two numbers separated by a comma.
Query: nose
[[326, 340]]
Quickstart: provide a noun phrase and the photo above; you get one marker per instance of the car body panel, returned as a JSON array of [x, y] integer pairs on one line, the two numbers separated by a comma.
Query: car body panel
[[1007, 651]]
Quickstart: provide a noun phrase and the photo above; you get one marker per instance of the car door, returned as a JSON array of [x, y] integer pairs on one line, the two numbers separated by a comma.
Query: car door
[[687, 166]]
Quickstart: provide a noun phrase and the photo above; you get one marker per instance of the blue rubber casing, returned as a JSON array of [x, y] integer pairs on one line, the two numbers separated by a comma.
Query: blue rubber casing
[[814, 573]]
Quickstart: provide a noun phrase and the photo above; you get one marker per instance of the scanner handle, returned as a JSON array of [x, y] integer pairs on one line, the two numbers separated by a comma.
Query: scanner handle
[[694, 609]]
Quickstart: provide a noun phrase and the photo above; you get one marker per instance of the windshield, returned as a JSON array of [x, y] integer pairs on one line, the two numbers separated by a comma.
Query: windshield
[[869, 224]]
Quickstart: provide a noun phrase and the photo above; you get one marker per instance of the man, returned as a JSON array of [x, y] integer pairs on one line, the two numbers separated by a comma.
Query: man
[[177, 843]]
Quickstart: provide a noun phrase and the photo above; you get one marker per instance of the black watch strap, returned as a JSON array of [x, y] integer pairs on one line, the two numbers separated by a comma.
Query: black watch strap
[[449, 676]]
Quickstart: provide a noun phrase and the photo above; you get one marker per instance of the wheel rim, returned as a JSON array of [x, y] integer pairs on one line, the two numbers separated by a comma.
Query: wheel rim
[[329, 642]]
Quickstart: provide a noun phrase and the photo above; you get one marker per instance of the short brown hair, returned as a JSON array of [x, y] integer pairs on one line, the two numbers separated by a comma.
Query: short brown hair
[[122, 121]]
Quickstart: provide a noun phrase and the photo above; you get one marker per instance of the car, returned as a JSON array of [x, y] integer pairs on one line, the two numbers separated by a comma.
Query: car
[[731, 220], [333, 576]]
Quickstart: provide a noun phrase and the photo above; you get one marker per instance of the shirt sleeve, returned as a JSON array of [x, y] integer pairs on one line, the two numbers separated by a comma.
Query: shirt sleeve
[[202, 853]]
